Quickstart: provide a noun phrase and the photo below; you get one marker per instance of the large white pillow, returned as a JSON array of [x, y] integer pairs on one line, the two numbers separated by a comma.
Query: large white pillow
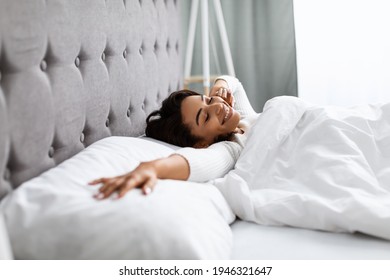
[[54, 216]]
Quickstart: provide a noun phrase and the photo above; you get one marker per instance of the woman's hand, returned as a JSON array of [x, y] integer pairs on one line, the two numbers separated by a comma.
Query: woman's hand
[[144, 177], [222, 90]]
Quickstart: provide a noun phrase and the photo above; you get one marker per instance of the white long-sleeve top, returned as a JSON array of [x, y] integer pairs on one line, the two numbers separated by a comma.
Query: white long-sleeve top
[[218, 159]]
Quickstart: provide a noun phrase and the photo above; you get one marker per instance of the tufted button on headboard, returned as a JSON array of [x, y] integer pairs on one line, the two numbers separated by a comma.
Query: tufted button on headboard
[[73, 72]]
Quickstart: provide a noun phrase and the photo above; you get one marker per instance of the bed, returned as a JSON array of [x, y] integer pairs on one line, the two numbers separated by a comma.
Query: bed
[[77, 80]]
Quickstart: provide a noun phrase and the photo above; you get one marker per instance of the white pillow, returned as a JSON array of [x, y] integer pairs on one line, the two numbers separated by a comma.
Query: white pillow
[[54, 216]]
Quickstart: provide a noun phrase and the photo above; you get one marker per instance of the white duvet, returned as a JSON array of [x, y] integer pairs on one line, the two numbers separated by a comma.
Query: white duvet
[[315, 167]]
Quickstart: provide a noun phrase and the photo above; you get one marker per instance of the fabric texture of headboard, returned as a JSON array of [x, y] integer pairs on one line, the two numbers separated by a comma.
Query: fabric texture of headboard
[[73, 72]]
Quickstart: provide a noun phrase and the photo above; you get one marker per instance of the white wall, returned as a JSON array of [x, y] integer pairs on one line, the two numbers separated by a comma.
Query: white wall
[[343, 51]]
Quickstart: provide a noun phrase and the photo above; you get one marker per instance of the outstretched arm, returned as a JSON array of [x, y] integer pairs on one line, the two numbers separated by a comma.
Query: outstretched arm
[[196, 165], [144, 176]]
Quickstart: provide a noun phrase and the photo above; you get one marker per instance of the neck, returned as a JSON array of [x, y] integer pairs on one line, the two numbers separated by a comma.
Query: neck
[[238, 130]]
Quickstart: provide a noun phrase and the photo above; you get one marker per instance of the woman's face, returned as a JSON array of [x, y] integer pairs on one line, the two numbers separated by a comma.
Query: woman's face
[[208, 117]]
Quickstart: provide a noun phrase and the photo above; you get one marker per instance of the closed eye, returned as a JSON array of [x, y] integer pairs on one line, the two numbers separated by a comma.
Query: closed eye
[[207, 118], [207, 115]]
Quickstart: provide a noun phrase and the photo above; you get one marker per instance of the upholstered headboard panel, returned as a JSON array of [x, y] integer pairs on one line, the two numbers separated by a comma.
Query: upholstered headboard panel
[[75, 71]]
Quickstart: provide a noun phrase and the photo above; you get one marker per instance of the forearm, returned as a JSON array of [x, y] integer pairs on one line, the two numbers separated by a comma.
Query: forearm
[[172, 167], [221, 83], [228, 82]]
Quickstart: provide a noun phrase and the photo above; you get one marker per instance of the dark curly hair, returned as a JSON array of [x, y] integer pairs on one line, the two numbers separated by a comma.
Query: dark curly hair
[[167, 124]]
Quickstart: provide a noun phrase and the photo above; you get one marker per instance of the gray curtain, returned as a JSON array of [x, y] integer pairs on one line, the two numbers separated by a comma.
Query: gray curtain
[[262, 41]]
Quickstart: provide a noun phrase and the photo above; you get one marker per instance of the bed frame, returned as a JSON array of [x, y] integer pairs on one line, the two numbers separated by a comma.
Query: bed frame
[[73, 72]]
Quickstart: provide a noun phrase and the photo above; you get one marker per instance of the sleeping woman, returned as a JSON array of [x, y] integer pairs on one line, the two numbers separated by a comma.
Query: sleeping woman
[[211, 129], [324, 168]]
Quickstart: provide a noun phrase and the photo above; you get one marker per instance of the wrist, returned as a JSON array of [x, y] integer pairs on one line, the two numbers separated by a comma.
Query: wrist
[[221, 83], [159, 167]]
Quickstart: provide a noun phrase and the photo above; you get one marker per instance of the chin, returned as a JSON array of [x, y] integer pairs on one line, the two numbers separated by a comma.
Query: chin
[[234, 120]]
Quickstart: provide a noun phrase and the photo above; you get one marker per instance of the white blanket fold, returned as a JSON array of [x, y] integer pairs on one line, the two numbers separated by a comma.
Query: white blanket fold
[[325, 168]]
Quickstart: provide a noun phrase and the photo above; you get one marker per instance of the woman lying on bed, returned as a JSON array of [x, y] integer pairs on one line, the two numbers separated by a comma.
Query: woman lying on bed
[[308, 166], [212, 129]]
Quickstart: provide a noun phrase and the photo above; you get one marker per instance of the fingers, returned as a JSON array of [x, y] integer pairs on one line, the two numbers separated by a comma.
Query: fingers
[[97, 181], [226, 95], [124, 184], [130, 184], [148, 187], [110, 186], [222, 92]]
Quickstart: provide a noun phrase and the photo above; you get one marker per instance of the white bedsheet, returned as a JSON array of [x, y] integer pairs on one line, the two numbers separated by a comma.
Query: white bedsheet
[[315, 167], [257, 242]]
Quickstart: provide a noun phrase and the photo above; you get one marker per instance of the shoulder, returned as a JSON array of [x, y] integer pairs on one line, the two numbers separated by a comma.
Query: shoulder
[[231, 148]]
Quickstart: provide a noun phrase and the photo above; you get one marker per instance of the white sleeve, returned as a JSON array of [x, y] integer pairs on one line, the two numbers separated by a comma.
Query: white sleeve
[[242, 105], [212, 162]]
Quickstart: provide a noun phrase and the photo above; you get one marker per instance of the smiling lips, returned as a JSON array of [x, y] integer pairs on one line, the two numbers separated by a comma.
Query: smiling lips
[[228, 113]]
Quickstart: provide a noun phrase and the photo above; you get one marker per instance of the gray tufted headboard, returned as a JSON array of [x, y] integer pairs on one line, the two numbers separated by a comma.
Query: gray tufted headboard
[[75, 71]]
